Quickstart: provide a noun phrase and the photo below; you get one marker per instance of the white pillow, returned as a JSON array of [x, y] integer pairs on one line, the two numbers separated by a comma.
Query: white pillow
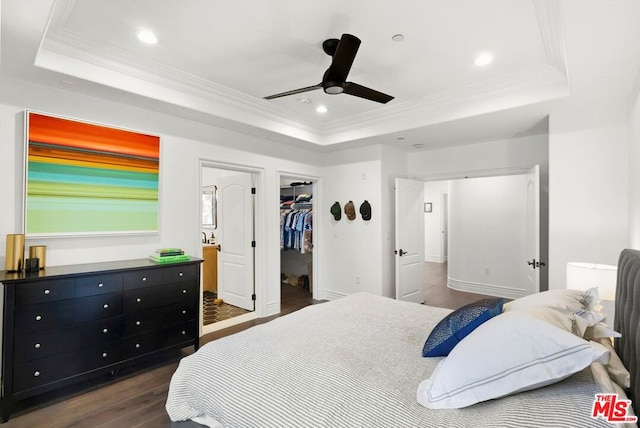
[[509, 353], [570, 299]]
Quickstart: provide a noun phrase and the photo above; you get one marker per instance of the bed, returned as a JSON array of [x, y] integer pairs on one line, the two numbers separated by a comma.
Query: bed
[[358, 362]]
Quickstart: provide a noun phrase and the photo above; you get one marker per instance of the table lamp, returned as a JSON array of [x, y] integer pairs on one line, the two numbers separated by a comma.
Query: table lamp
[[582, 276]]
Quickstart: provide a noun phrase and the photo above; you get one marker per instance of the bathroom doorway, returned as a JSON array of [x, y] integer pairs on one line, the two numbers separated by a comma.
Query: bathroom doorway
[[228, 228]]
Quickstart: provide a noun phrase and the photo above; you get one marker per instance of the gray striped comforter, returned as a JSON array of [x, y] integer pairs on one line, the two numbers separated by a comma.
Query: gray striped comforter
[[353, 362]]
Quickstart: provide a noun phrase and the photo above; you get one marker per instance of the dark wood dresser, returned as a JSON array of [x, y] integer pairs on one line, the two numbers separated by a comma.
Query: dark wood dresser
[[65, 324]]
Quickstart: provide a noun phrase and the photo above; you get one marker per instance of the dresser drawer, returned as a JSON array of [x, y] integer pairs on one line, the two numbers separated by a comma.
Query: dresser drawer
[[97, 307], [180, 273], [156, 340], [142, 278], [44, 316], [44, 291], [98, 284], [158, 318], [45, 370], [46, 343], [151, 297]]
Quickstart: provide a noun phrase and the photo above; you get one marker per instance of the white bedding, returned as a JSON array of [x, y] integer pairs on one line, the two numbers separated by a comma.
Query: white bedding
[[353, 362]]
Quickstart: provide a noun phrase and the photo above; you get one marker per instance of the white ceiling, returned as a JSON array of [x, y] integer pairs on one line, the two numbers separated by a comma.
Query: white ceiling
[[216, 60]]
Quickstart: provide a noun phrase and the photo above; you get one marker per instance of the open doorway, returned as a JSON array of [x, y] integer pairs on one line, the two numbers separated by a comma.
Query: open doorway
[[481, 230], [296, 243], [228, 228]]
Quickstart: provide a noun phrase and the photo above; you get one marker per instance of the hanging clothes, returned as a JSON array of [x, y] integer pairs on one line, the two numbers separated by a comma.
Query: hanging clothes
[[296, 230]]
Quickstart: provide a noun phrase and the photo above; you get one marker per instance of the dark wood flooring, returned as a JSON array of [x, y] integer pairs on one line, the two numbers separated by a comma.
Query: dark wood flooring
[[137, 400], [438, 294]]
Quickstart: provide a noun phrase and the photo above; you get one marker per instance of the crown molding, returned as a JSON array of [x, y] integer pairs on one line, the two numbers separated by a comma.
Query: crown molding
[[69, 52]]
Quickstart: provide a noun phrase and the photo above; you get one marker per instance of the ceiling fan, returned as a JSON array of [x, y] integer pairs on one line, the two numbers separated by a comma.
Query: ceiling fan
[[343, 51]]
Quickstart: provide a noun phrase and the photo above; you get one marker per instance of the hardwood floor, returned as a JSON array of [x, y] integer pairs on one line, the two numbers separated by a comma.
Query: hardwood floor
[[438, 294], [137, 400]]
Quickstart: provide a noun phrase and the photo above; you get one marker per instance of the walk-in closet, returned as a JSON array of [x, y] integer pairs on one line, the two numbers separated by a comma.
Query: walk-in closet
[[296, 236]]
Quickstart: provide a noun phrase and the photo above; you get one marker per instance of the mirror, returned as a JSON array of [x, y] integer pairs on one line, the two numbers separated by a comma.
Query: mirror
[[209, 206]]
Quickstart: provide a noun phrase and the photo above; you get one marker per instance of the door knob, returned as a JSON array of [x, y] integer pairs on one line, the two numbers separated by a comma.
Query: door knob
[[400, 253], [536, 263]]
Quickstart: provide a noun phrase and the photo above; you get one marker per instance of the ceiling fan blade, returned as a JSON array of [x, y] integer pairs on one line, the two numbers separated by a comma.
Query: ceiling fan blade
[[343, 58], [295, 91], [366, 93]]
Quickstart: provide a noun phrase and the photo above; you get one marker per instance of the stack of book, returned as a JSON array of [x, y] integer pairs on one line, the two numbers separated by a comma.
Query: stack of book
[[169, 255]]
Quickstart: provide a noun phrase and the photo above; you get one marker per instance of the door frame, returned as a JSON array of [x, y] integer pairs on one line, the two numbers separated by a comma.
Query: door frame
[[259, 230], [544, 201], [316, 256]]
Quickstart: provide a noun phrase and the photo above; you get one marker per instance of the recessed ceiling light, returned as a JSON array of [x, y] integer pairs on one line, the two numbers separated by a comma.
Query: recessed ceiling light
[[304, 100], [322, 109], [147, 36], [417, 146], [483, 59], [400, 138], [397, 37]]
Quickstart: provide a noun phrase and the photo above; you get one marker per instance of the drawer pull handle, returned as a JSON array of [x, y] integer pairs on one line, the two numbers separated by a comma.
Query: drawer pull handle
[[105, 330], [106, 306], [137, 345], [100, 285], [47, 291], [104, 355], [184, 291], [138, 323], [138, 300], [144, 278], [37, 373], [180, 274], [38, 318], [37, 346]]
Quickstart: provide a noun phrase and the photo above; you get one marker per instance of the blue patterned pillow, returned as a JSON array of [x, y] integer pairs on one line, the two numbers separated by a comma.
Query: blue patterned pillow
[[458, 324]]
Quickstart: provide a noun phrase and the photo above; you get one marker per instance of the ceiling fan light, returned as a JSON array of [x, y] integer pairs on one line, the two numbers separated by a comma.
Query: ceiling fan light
[[333, 87]]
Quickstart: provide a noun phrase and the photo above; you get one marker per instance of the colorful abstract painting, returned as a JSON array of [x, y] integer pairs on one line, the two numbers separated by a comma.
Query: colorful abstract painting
[[87, 179]]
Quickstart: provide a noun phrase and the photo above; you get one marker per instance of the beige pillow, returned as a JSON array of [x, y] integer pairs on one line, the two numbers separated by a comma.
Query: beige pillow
[[616, 369], [571, 300]]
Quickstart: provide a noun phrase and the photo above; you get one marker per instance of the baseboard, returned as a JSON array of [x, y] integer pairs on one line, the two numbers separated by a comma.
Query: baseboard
[[333, 295], [486, 289]]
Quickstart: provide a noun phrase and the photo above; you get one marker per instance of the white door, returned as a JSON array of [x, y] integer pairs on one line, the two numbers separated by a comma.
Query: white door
[[444, 223], [409, 249], [235, 236], [533, 231]]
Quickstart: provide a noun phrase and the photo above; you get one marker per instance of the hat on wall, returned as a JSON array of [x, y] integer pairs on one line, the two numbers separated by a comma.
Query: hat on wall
[[336, 211], [350, 210], [365, 210]]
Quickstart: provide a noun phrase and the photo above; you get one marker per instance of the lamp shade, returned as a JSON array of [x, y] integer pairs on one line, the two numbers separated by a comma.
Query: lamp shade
[[582, 276]]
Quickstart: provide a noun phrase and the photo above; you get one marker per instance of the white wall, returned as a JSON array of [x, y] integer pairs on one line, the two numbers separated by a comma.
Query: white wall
[[352, 250], [487, 236], [183, 144], [482, 159], [634, 169], [588, 191]]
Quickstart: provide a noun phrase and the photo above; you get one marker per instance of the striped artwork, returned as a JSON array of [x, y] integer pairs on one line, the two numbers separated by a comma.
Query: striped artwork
[[84, 178]]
